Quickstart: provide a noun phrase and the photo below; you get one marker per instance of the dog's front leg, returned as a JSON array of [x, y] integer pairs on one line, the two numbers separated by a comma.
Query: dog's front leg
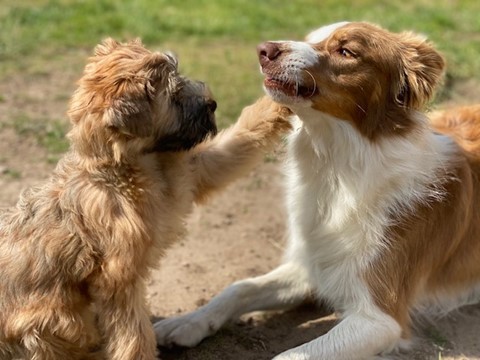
[[359, 336], [284, 287], [236, 150], [124, 320]]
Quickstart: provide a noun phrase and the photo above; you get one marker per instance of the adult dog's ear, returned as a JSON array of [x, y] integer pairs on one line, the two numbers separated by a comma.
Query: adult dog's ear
[[423, 68], [132, 112]]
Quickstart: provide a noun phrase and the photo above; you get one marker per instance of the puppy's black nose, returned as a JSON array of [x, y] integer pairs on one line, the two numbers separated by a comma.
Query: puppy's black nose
[[268, 51], [212, 105]]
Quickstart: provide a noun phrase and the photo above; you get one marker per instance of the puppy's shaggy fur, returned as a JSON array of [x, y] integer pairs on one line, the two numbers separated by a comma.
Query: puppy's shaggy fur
[[383, 210], [80, 246]]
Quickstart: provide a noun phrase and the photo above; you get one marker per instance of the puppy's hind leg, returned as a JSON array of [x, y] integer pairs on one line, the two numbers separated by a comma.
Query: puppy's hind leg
[[124, 320], [282, 288], [37, 346]]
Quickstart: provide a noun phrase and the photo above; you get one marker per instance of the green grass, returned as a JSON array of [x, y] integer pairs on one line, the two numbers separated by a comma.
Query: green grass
[[50, 25], [48, 133], [215, 39]]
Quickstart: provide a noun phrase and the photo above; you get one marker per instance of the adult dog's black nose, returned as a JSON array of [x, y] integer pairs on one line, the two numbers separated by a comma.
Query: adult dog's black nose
[[268, 51]]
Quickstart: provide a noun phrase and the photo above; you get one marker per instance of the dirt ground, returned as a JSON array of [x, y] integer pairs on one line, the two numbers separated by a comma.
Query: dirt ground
[[239, 234]]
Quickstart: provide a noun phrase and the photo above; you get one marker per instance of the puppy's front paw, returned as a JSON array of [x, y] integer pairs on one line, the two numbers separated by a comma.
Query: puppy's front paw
[[187, 330], [266, 118]]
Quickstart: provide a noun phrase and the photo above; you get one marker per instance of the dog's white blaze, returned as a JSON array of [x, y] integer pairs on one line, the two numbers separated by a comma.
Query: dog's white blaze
[[301, 56], [324, 32]]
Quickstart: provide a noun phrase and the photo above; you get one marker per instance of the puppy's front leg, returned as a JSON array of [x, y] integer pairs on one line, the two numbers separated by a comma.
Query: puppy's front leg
[[236, 150], [284, 287], [124, 320], [359, 336]]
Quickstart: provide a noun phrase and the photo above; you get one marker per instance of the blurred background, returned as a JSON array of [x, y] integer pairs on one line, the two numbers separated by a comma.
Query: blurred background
[[44, 45], [49, 40]]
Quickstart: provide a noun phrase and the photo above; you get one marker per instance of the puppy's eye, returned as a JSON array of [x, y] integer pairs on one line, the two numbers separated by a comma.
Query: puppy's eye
[[346, 53]]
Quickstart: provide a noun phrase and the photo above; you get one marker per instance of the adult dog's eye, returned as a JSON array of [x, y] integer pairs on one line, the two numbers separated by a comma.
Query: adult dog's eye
[[346, 53]]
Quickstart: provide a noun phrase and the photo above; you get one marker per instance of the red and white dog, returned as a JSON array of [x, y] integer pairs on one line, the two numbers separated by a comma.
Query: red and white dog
[[384, 211]]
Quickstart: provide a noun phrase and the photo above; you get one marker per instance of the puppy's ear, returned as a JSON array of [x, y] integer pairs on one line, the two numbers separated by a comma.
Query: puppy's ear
[[423, 68], [157, 69], [131, 117], [106, 47], [133, 113]]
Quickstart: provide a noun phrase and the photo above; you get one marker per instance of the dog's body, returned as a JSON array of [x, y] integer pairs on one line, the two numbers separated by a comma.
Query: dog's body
[[383, 211], [142, 152]]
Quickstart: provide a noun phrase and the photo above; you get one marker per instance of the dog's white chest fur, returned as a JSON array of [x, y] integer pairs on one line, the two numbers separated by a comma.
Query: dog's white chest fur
[[343, 192]]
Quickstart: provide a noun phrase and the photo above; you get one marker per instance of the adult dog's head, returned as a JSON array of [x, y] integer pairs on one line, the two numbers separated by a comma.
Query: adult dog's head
[[356, 72], [132, 101]]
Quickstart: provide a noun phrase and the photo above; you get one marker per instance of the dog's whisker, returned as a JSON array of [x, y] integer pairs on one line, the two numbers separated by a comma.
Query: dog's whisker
[[314, 82], [361, 108]]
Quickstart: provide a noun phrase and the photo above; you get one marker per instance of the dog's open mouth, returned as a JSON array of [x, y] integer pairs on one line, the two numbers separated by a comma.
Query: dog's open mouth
[[290, 88]]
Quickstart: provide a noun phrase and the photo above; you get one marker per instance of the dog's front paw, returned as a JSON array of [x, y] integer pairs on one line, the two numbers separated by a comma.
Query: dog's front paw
[[187, 330]]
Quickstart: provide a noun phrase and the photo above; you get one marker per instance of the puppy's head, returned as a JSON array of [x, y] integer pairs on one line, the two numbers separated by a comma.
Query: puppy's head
[[131, 101], [356, 72]]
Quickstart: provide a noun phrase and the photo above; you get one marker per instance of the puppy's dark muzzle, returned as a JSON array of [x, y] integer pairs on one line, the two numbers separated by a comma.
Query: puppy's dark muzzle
[[211, 105], [196, 122], [211, 125]]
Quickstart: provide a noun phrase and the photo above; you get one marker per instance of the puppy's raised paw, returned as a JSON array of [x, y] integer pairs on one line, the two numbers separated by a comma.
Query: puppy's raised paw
[[266, 118]]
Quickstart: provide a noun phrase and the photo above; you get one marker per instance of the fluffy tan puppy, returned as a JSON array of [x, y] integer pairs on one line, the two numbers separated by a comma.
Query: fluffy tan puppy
[[75, 251]]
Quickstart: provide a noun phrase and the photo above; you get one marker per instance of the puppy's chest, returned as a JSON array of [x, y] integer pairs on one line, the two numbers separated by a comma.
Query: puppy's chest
[[127, 183], [166, 202], [159, 200]]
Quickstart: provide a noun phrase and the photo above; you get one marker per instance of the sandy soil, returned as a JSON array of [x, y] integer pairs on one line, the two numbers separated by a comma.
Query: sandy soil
[[240, 233]]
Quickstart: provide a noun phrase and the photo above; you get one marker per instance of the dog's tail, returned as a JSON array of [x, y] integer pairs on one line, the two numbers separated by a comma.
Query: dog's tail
[[463, 124]]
